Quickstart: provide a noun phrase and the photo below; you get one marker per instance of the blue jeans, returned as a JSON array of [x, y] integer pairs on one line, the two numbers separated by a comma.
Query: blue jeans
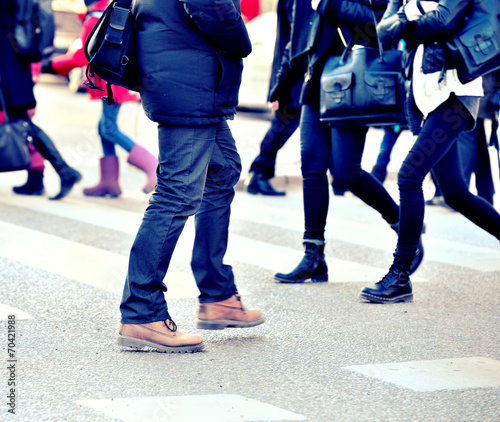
[[110, 133], [198, 169], [319, 146]]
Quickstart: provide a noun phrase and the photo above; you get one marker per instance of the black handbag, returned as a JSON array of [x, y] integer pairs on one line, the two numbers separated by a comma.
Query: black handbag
[[14, 138], [475, 48], [110, 48], [364, 86]]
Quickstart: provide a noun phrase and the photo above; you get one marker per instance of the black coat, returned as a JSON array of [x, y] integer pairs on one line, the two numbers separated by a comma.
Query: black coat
[[428, 29], [190, 58], [16, 81], [315, 37], [285, 12]]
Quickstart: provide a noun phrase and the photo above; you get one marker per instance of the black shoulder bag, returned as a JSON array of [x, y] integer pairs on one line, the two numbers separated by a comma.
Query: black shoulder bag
[[475, 48], [364, 86], [110, 49], [14, 138]]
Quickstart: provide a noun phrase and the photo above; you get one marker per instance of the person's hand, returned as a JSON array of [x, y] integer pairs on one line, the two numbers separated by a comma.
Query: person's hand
[[429, 6], [275, 105], [494, 102], [280, 94]]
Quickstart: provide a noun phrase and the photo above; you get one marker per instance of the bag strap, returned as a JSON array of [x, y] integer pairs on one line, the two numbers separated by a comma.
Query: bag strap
[[2, 101], [349, 46]]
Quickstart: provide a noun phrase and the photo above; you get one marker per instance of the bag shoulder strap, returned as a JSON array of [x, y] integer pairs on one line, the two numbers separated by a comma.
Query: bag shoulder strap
[[351, 43]]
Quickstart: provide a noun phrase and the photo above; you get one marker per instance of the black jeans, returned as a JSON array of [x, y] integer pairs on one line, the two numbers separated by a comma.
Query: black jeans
[[319, 143], [283, 124], [436, 148]]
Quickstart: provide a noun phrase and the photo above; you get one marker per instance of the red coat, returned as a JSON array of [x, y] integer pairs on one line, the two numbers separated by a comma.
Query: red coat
[[63, 64]]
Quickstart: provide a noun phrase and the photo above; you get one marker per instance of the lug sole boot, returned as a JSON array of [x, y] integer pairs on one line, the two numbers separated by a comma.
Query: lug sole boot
[[394, 287], [229, 313], [108, 185], [418, 256], [159, 336], [313, 266]]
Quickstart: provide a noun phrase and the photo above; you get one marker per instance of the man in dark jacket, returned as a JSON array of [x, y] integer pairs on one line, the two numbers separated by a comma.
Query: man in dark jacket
[[190, 59]]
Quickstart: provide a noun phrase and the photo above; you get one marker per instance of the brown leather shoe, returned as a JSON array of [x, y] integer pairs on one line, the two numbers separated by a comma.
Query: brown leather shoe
[[229, 313], [159, 336]]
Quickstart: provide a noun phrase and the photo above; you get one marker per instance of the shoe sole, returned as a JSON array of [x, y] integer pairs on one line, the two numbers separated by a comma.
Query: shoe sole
[[148, 346], [316, 279], [408, 297], [257, 192], [220, 324]]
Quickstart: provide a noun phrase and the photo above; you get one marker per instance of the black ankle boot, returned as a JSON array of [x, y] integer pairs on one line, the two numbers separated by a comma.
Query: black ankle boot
[[69, 177], [313, 266], [260, 185], [394, 287], [33, 186], [418, 255]]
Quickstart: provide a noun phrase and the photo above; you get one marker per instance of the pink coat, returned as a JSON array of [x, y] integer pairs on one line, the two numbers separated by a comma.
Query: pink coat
[[63, 64]]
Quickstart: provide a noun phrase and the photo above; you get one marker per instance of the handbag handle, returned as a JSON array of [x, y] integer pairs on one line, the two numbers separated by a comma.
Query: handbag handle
[[2, 102], [351, 44]]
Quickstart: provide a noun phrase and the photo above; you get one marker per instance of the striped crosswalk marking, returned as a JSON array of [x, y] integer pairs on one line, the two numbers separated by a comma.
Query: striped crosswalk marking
[[206, 408], [433, 375]]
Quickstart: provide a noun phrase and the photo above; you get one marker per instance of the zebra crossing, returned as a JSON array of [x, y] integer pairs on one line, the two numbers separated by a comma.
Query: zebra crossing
[[74, 253], [320, 356]]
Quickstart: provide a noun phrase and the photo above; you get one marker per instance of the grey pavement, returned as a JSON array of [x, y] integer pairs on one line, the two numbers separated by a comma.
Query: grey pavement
[[321, 355]]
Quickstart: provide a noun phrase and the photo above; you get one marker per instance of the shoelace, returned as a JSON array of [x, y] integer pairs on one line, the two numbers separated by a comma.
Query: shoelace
[[395, 268], [174, 325]]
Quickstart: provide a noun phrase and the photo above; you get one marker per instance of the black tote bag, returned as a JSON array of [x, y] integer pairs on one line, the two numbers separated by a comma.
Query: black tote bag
[[364, 86]]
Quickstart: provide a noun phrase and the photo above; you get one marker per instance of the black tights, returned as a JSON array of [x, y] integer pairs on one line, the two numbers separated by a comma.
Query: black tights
[[436, 148]]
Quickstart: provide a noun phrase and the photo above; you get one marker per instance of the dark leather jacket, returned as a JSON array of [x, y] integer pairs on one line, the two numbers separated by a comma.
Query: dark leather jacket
[[430, 30], [315, 37]]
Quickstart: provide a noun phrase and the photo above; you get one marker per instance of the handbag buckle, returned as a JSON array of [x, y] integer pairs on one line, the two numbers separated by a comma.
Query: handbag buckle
[[482, 45], [337, 94], [380, 92]]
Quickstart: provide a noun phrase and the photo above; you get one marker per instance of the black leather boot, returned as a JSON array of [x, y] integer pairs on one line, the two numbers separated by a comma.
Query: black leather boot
[[313, 266], [69, 176], [394, 287], [258, 184], [33, 186], [419, 251]]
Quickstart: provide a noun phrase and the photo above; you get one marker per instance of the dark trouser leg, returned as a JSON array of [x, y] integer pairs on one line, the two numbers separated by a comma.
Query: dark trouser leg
[[283, 124], [482, 167], [438, 135], [315, 152], [185, 154], [347, 151], [457, 194], [215, 280], [388, 141]]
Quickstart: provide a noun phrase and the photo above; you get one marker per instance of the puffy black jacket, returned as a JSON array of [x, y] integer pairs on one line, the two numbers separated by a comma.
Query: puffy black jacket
[[190, 58]]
